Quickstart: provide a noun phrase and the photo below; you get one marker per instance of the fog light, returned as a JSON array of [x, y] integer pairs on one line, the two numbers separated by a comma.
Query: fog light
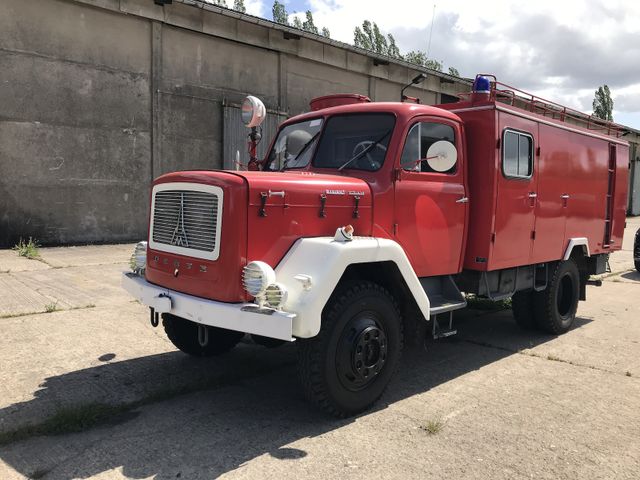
[[276, 295], [256, 277], [138, 260]]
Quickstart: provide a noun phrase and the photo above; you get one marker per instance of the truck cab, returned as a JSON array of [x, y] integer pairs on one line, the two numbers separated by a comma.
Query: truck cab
[[366, 222]]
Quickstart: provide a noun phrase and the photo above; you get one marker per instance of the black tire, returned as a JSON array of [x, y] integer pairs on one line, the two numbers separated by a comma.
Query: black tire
[[636, 251], [555, 307], [348, 365], [184, 335], [522, 306]]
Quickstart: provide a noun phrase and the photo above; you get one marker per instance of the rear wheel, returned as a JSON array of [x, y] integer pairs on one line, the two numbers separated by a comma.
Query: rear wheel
[[522, 305], [184, 335], [348, 365], [555, 307]]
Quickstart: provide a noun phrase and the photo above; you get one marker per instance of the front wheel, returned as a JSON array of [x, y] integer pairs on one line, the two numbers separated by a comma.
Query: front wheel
[[555, 307], [184, 335], [348, 365]]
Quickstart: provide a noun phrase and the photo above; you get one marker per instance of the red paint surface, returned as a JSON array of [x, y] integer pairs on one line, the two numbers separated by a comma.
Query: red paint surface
[[419, 210]]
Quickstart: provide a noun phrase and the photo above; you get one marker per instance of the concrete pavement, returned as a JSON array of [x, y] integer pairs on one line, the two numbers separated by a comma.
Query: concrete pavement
[[511, 404]]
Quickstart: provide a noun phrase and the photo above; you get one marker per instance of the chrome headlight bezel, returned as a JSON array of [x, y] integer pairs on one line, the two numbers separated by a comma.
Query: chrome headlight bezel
[[275, 295], [256, 277], [138, 260]]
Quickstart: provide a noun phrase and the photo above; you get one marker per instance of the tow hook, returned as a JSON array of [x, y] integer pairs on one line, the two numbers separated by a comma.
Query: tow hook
[[154, 318], [203, 335]]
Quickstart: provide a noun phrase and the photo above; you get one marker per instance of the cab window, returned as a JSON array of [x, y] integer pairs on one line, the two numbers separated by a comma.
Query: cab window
[[422, 136]]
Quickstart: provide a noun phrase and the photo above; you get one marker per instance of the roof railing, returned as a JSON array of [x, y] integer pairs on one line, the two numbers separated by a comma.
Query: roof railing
[[503, 93]]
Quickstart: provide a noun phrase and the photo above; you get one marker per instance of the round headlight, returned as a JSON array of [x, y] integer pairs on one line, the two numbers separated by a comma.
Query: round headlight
[[276, 295], [253, 112], [138, 261], [256, 277]]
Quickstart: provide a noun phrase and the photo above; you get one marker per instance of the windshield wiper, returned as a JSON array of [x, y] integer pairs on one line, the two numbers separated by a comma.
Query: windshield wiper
[[366, 150], [302, 150]]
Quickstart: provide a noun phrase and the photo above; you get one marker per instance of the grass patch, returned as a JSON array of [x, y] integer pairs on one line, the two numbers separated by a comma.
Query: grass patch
[[479, 303], [68, 420], [28, 249], [433, 426], [82, 418], [51, 307]]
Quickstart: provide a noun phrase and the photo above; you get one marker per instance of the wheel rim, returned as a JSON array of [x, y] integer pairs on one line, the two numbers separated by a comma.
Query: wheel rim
[[566, 296], [362, 352]]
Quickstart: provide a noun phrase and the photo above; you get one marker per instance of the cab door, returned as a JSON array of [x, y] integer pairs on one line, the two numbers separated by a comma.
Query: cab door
[[431, 204]]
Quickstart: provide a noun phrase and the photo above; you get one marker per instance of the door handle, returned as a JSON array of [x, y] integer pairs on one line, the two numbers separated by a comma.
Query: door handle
[[533, 194], [463, 200], [565, 199], [532, 199], [565, 196]]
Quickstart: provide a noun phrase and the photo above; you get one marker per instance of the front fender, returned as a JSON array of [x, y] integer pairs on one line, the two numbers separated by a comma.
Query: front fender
[[320, 262]]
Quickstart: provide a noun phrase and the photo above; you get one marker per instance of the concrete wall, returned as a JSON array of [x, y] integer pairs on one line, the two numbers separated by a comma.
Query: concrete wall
[[98, 97]]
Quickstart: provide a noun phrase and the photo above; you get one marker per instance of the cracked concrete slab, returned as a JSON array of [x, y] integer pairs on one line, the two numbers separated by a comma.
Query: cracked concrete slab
[[87, 255], [64, 288], [10, 261]]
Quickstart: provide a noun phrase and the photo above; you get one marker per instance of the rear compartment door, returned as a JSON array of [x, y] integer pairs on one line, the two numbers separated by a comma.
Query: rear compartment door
[[516, 194], [554, 193]]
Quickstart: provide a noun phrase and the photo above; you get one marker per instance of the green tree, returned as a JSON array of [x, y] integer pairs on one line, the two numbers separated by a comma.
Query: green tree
[[417, 57], [297, 22], [308, 24], [603, 103], [219, 3], [279, 13], [393, 51], [454, 71], [369, 37], [326, 32], [420, 58], [238, 6]]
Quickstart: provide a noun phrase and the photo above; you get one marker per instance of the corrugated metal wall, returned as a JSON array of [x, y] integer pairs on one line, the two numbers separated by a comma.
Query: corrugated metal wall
[[634, 179], [235, 136]]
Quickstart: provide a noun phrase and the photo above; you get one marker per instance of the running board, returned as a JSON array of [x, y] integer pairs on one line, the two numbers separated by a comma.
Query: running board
[[443, 294]]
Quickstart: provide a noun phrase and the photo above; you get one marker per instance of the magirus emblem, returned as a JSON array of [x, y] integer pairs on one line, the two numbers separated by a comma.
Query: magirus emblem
[[179, 237]]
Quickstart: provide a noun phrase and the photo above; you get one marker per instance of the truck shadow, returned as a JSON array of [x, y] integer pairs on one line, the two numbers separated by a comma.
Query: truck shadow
[[238, 416]]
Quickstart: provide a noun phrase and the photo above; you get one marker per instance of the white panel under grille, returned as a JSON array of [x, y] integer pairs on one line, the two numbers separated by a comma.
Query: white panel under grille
[[186, 219]]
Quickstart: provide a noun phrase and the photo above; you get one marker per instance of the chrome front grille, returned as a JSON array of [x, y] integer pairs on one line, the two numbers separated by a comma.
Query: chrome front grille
[[186, 219]]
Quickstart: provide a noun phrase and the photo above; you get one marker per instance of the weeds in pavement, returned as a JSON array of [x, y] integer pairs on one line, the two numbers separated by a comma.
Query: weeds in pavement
[[28, 249], [433, 426], [51, 307]]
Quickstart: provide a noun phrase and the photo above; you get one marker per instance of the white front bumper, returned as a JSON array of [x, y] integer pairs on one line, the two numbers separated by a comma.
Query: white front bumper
[[242, 317]]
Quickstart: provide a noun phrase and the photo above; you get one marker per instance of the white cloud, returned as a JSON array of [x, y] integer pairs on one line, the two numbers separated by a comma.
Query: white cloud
[[257, 8], [558, 50]]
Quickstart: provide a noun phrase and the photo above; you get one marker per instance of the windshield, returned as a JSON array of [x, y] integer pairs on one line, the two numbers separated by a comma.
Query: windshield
[[353, 141], [295, 145], [357, 141]]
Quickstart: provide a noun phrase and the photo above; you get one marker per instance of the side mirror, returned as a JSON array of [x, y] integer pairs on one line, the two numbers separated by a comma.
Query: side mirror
[[441, 156], [253, 112]]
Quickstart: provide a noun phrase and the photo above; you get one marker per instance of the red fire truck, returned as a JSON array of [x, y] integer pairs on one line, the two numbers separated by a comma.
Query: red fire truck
[[368, 221]]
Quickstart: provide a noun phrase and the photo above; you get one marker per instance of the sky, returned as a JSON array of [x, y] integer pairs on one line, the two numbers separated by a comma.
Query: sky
[[561, 50]]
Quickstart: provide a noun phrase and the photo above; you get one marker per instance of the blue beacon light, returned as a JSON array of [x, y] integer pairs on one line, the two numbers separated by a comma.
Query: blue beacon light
[[482, 85]]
